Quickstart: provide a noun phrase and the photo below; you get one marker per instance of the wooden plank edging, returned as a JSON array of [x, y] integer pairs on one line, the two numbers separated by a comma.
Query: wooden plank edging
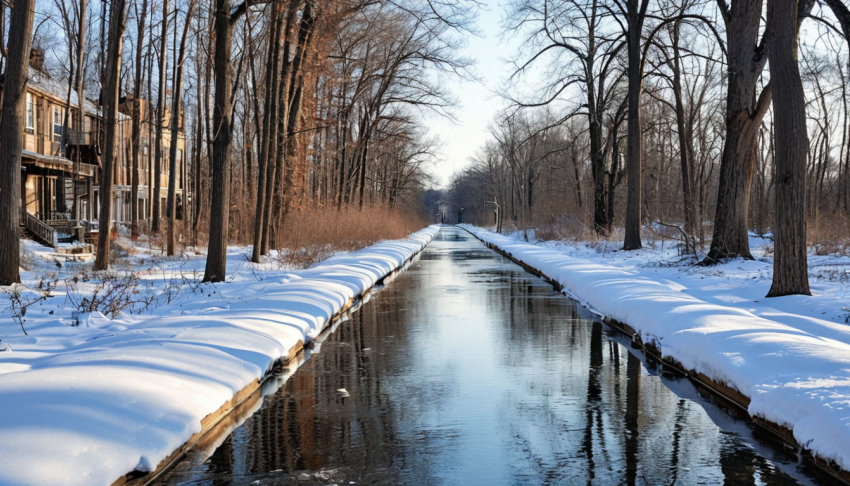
[[250, 394]]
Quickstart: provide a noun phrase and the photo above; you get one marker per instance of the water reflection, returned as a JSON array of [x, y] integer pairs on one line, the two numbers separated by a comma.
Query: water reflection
[[468, 370]]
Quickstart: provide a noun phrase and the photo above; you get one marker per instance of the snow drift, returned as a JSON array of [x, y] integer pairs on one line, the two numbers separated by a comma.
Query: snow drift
[[86, 404], [796, 376]]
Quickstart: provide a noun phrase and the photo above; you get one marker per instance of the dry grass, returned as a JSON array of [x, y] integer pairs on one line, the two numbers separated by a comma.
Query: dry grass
[[571, 229], [312, 236], [831, 235]]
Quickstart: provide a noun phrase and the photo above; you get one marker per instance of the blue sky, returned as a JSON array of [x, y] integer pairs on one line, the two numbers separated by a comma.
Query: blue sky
[[478, 102]]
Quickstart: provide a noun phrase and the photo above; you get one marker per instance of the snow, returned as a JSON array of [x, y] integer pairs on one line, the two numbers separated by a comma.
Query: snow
[[87, 399], [790, 355]]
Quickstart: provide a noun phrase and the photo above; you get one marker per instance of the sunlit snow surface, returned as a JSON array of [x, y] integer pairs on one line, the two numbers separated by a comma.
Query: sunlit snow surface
[[789, 354], [86, 404]]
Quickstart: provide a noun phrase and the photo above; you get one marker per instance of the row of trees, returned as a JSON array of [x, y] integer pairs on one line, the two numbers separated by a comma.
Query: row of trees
[[674, 111], [289, 105]]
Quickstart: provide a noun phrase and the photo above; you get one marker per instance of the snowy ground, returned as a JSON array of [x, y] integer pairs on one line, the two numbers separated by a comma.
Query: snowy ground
[[790, 355], [87, 398]]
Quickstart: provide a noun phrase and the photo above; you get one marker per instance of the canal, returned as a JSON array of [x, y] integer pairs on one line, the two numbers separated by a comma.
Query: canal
[[468, 370]]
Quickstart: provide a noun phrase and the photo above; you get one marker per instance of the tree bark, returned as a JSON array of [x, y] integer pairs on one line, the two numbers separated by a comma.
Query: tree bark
[[11, 137], [744, 114], [790, 267], [268, 138], [636, 15], [686, 152], [216, 265], [110, 110]]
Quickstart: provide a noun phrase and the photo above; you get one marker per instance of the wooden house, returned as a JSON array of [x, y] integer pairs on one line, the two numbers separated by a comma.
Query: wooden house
[[61, 167]]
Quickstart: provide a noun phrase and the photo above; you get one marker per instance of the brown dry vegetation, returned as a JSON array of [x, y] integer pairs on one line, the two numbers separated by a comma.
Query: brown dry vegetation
[[831, 235], [313, 235]]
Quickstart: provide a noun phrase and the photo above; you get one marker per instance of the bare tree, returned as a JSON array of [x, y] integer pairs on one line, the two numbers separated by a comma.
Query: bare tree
[[115, 43], [790, 268], [216, 264], [157, 119], [136, 128], [745, 109], [579, 30], [11, 126], [635, 13], [176, 98]]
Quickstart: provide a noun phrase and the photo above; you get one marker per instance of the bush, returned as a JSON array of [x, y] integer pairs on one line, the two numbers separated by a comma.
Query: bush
[[112, 294]]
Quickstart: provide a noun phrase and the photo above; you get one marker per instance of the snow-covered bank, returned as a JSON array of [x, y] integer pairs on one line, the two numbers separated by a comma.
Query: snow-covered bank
[[85, 404], [795, 368]]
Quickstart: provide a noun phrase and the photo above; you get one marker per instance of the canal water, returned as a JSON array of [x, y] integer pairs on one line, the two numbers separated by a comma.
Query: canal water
[[468, 370]]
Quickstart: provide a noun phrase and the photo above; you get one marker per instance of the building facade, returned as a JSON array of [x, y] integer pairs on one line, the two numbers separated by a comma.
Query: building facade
[[62, 158]]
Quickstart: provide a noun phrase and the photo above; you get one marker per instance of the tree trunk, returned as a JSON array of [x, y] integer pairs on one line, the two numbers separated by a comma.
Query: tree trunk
[[597, 166], [790, 267], [110, 111], [136, 128], [157, 120], [268, 140], [11, 138], [636, 16], [743, 117], [685, 146], [614, 172], [80, 81], [216, 265], [597, 156], [171, 208]]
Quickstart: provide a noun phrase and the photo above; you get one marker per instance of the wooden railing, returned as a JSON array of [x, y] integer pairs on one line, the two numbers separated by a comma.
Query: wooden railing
[[87, 170], [38, 228]]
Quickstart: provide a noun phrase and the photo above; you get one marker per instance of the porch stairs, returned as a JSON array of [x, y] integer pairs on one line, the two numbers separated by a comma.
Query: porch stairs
[[38, 229]]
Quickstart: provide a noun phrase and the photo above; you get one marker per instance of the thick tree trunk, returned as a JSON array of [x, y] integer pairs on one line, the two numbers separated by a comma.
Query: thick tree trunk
[[744, 114], [636, 13], [111, 143], [11, 138], [597, 154], [216, 265], [790, 267], [597, 166]]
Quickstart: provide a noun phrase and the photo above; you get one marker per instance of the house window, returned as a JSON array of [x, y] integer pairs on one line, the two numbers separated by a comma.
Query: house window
[[30, 114], [57, 124]]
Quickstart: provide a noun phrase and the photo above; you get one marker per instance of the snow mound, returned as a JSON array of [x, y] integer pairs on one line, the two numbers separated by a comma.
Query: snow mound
[[86, 404], [796, 372]]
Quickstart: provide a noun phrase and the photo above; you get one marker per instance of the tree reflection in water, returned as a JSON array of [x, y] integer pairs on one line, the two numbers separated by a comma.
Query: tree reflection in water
[[468, 370]]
